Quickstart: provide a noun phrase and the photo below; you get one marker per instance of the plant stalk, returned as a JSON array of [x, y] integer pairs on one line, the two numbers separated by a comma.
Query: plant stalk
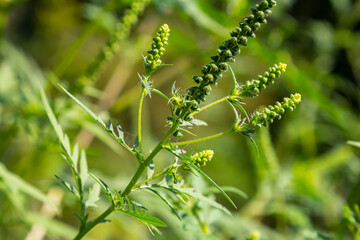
[[133, 180], [143, 90], [203, 139], [212, 104], [95, 222], [147, 161]]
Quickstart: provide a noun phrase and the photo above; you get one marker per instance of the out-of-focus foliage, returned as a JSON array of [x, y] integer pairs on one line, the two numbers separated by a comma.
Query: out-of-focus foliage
[[299, 181]]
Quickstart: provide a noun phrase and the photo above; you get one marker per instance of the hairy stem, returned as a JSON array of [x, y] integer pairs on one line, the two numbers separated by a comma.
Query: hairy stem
[[212, 104], [203, 139], [143, 93], [93, 223], [147, 161], [149, 179]]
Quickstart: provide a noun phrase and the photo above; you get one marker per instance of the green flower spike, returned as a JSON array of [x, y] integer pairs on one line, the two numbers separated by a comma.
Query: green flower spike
[[226, 53], [272, 112], [123, 29], [152, 60], [201, 158], [254, 87]]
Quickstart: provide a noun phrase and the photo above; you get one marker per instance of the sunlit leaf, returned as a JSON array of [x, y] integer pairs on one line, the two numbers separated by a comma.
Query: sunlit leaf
[[209, 179], [69, 186], [165, 200], [93, 197], [103, 185]]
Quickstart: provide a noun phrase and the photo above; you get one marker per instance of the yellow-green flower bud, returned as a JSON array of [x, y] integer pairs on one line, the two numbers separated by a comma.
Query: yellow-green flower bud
[[201, 158], [277, 111], [254, 87], [152, 60]]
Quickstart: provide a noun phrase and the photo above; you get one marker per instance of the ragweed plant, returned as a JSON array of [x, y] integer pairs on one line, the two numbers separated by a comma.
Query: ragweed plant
[[169, 183]]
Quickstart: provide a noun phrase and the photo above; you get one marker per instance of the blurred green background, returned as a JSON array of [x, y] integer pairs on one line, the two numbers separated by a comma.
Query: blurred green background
[[297, 186]]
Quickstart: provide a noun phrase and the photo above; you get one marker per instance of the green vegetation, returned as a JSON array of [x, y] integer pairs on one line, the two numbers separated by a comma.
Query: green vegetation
[[171, 165]]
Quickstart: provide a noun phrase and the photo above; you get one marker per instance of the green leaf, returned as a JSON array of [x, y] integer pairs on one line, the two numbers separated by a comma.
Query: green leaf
[[136, 143], [93, 197], [193, 122], [161, 66], [160, 94], [209, 179], [118, 137], [231, 189], [205, 199], [254, 144], [146, 85], [243, 110], [150, 169], [75, 156], [354, 143], [103, 185], [82, 105], [187, 131], [83, 168], [51, 116], [233, 76], [70, 162], [164, 199], [132, 209], [120, 131], [151, 227], [70, 187], [237, 119]]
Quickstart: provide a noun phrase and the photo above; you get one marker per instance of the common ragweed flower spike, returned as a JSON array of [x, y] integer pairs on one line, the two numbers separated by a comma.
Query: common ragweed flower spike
[[152, 60], [254, 87], [277, 111], [201, 158], [112, 46], [226, 53]]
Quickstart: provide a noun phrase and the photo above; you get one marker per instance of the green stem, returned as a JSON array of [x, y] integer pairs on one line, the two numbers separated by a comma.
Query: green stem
[[203, 139], [131, 184], [147, 161], [212, 104], [143, 93], [93, 223], [134, 179], [149, 179]]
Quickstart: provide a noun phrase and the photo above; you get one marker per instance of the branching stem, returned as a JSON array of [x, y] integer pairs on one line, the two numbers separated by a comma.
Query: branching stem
[[212, 104], [95, 222], [142, 95], [203, 139], [150, 179]]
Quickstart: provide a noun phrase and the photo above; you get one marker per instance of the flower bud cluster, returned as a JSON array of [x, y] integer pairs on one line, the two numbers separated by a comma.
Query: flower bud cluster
[[254, 87], [201, 158], [226, 53], [272, 112], [153, 60]]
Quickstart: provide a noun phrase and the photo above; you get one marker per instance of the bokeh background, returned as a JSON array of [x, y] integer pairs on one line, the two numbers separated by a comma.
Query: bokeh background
[[298, 184]]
